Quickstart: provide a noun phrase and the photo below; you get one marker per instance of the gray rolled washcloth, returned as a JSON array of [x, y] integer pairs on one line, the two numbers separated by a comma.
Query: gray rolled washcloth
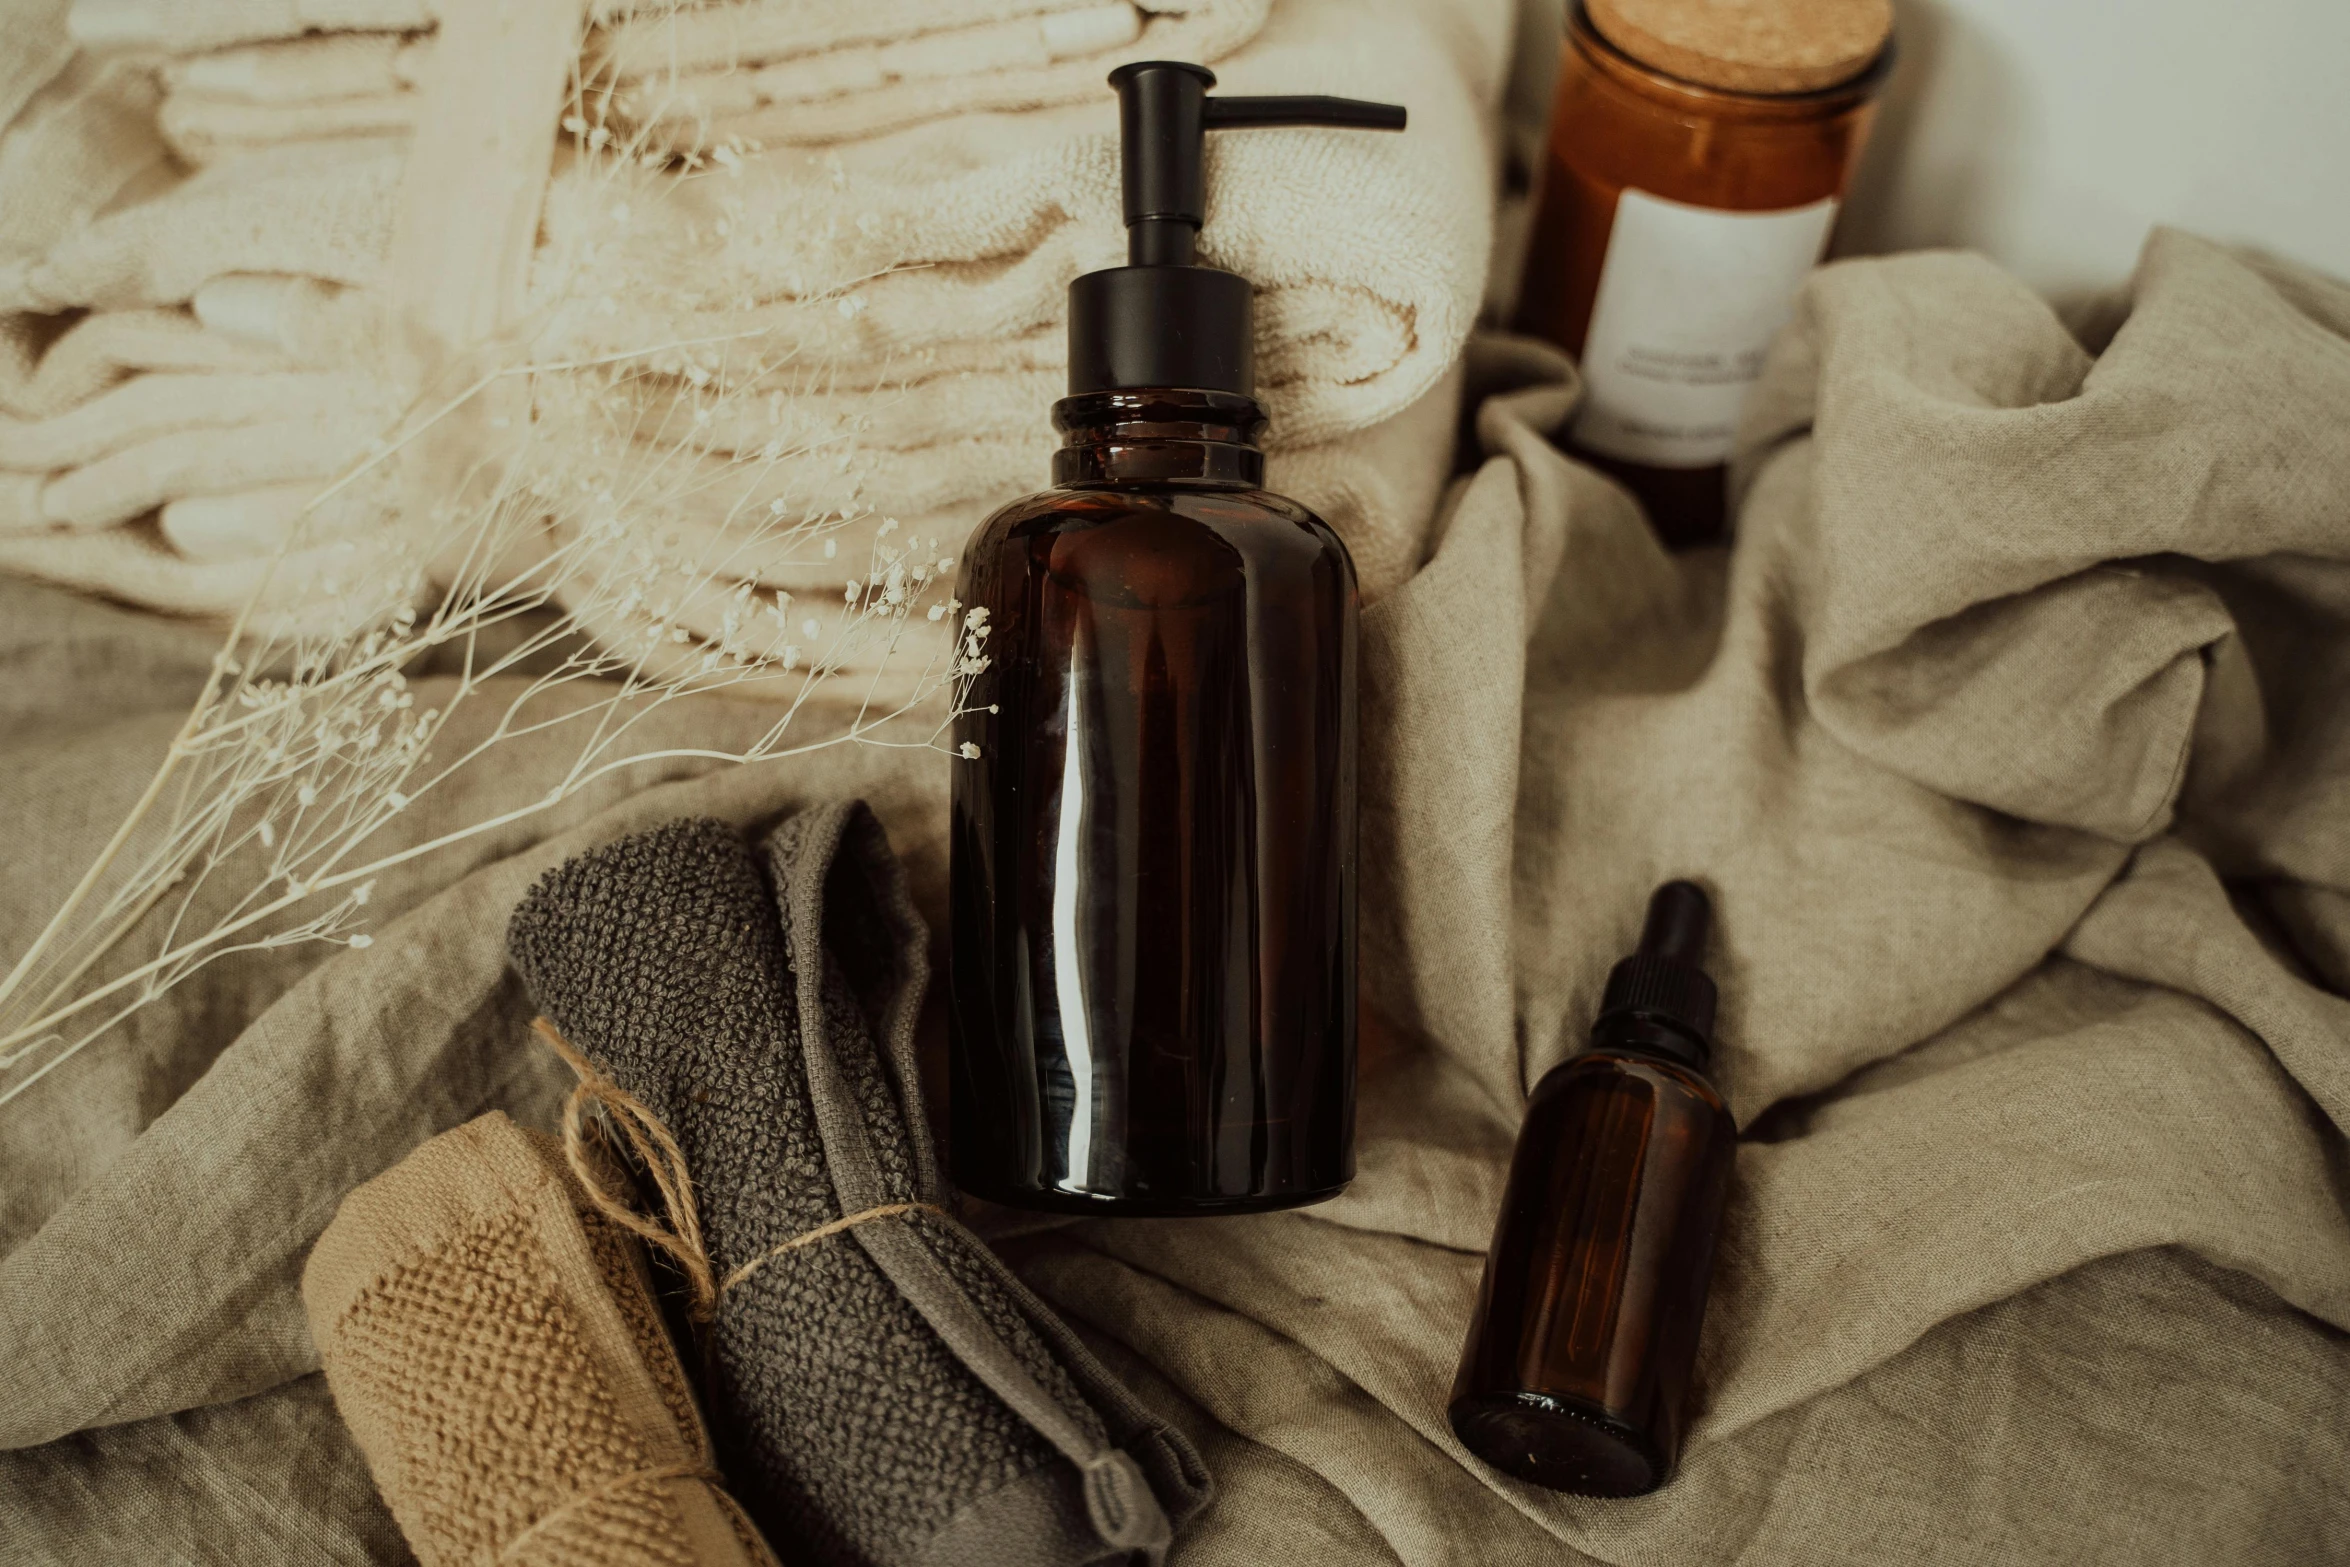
[[886, 1393]]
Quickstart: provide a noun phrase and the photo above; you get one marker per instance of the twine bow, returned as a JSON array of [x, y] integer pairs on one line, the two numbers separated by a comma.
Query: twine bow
[[658, 1155]]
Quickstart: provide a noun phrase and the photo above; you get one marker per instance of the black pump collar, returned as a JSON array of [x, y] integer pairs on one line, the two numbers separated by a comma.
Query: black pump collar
[[1162, 320]]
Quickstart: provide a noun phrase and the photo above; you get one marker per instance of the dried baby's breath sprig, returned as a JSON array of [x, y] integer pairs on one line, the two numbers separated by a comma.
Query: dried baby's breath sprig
[[608, 542]]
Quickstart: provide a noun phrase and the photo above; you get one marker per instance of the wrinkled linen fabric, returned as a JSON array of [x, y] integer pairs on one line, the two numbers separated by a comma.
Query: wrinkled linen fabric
[[1998, 740], [843, 339], [2008, 740]]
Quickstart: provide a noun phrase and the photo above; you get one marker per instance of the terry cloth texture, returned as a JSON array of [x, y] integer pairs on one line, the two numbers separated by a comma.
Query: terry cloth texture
[[2008, 738], [493, 1343], [889, 1393], [866, 333], [673, 77]]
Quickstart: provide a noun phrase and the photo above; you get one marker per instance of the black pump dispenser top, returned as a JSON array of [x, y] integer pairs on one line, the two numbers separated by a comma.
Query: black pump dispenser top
[[1162, 320], [1664, 982]]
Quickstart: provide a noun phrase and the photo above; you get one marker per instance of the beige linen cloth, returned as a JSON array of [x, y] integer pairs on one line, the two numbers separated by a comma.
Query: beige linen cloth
[[2009, 739], [869, 333]]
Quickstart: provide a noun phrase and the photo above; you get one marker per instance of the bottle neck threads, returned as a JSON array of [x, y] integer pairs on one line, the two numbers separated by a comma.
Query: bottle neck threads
[[1159, 436]]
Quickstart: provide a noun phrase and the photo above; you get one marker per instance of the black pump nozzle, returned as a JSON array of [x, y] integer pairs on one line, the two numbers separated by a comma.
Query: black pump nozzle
[[1164, 115], [1162, 320], [1665, 981]]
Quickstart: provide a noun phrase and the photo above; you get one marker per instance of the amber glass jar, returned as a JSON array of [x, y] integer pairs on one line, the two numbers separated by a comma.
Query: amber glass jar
[[1681, 204]]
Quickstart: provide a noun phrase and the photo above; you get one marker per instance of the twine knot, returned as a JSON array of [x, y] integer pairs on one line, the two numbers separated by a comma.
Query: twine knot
[[658, 1155]]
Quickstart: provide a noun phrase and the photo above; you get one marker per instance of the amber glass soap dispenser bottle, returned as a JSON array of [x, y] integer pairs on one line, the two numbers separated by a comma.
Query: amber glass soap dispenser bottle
[[1153, 966], [1576, 1374]]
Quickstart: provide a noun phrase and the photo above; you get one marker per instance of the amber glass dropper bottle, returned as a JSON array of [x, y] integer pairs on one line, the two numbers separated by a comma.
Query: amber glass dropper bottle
[[1153, 966], [1576, 1373]]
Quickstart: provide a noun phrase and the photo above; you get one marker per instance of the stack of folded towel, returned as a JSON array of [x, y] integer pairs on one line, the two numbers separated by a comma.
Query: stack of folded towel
[[844, 337], [771, 71]]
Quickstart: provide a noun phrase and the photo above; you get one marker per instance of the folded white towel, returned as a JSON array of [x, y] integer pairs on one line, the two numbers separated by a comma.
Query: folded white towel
[[38, 49], [759, 74], [869, 333], [82, 140], [682, 78], [186, 26]]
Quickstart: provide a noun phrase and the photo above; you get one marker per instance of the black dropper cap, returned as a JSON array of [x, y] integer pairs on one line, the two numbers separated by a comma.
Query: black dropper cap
[[1162, 319], [1661, 997]]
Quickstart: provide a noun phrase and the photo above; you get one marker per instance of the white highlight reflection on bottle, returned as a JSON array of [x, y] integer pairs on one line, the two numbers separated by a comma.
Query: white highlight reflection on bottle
[[1068, 949]]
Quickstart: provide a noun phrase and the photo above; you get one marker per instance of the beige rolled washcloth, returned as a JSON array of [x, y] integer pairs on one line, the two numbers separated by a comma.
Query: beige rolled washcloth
[[493, 1345]]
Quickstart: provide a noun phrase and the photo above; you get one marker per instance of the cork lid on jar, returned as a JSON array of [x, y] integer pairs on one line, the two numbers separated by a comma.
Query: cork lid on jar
[[1756, 46]]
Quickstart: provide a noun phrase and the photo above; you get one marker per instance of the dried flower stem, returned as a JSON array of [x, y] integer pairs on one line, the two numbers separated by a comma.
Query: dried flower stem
[[579, 574]]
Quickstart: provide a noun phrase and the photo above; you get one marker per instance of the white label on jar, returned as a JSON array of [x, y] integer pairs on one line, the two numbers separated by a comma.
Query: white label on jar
[[1689, 298]]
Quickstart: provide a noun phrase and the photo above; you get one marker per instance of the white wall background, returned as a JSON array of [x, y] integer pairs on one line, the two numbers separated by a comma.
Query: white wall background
[[2052, 134]]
